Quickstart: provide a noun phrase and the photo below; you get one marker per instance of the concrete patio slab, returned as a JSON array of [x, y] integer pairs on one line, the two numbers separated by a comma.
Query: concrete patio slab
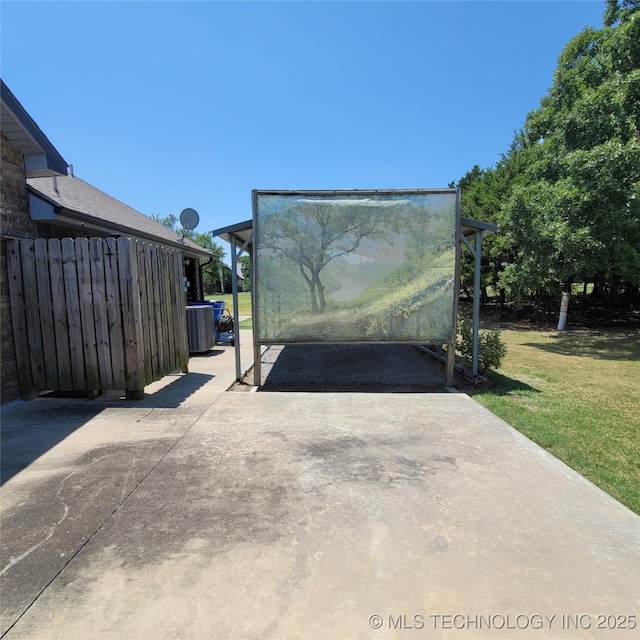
[[69, 463], [305, 515]]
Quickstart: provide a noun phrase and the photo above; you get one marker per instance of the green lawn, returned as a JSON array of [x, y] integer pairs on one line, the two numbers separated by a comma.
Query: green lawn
[[577, 394], [244, 302]]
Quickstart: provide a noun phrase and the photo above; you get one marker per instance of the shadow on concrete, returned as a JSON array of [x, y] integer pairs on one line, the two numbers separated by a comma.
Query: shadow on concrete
[[39, 427], [171, 396], [30, 428], [373, 368], [212, 353], [180, 387]]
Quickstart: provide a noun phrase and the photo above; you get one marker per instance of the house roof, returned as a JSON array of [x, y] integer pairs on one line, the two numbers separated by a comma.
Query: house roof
[[41, 157], [74, 202]]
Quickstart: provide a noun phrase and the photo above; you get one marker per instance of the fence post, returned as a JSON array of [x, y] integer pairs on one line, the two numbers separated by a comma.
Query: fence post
[[18, 319], [131, 320]]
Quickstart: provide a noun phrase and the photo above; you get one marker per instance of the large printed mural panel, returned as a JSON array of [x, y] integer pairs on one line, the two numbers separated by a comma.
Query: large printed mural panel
[[351, 267]]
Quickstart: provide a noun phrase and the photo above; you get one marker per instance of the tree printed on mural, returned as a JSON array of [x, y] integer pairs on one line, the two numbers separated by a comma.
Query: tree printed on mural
[[314, 233]]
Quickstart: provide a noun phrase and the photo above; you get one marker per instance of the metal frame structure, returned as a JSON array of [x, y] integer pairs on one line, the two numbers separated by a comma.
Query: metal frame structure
[[475, 230], [240, 236], [470, 232]]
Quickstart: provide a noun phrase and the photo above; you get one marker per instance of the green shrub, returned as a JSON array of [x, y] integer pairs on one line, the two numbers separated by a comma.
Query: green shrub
[[491, 348]]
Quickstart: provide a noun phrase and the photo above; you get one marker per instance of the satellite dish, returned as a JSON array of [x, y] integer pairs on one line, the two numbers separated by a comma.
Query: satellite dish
[[189, 219]]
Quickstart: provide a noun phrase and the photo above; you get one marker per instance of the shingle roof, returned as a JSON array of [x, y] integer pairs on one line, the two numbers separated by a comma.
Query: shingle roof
[[80, 200]]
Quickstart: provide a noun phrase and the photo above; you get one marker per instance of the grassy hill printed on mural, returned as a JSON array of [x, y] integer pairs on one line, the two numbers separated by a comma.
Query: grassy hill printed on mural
[[354, 267]]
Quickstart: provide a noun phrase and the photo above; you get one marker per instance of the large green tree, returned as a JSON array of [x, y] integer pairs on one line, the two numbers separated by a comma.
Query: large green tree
[[245, 265], [482, 200], [619, 11], [215, 276], [484, 195], [576, 216]]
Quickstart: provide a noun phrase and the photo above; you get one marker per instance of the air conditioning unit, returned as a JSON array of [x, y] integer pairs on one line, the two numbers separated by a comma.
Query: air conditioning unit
[[200, 329]]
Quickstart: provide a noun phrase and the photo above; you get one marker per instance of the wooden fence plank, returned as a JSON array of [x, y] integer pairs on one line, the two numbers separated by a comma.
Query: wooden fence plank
[[131, 321], [169, 274], [147, 376], [60, 320], [154, 372], [99, 297], [177, 304], [114, 312], [32, 307], [157, 331], [166, 309], [87, 319], [182, 347], [49, 356], [165, 302], [73, 313], [166, 283], [19, 319]]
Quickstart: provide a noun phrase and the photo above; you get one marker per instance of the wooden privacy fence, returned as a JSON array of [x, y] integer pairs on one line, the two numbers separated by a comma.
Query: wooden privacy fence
[[95, 314]]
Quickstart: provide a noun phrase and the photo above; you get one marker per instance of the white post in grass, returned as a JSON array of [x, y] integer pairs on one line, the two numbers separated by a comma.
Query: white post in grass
[[564, 307]]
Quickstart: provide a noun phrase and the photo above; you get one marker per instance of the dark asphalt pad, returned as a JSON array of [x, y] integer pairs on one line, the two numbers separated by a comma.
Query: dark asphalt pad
[[378, 368]]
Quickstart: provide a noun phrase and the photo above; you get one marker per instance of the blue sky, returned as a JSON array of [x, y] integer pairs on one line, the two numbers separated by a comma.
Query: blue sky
[[167, 105]]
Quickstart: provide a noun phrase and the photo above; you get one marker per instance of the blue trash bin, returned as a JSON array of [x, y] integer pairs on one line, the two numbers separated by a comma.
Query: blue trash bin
[[218, 310]]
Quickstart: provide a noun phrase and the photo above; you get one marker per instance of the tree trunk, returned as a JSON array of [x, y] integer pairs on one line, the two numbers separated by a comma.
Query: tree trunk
[[583, 311], [320, 289], [221, 275], [311, 283]]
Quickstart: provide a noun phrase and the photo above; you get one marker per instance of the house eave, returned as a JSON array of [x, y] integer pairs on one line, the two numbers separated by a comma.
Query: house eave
[[41, 157], [46, 211]]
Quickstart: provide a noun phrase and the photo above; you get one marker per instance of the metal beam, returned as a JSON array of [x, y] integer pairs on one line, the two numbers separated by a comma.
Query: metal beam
[[236, 315], [476, 304], [469, 246], [257, 350], [233, 239], [246, 244]]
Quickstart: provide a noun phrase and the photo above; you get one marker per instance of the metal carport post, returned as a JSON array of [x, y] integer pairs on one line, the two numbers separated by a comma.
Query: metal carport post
[[478, 230], [238, 235]]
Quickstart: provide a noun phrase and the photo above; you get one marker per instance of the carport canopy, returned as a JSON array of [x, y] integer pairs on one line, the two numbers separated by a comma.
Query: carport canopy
[[240, 237]]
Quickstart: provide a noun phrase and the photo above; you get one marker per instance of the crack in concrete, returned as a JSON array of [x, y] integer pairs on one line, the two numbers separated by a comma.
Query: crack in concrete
[[13, 560], [123, 500]]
